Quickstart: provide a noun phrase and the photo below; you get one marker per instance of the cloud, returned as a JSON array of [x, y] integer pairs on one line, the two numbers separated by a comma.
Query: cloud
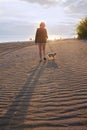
[[70, 6], [43, 2], [61, 29], [14, 30], [75, 6]]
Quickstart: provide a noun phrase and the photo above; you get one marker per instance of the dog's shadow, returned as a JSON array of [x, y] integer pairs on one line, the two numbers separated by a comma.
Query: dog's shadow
[[52, 64]]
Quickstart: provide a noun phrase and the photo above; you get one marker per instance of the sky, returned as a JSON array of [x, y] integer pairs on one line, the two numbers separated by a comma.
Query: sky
[[19, 19]]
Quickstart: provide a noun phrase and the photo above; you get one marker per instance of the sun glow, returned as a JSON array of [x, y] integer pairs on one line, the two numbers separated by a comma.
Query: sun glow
[[54, 37]]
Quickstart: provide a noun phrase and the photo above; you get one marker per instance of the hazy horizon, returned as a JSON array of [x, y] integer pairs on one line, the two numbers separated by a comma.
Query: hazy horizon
[[19, 19]]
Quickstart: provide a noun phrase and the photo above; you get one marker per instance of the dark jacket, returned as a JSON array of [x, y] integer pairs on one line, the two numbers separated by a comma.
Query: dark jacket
[[41, 35]]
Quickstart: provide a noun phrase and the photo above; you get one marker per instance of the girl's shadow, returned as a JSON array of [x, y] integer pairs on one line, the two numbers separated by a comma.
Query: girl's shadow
[[15, 115]]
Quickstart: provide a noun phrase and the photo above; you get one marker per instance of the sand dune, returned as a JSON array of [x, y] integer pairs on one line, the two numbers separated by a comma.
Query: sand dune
[[43, 96]]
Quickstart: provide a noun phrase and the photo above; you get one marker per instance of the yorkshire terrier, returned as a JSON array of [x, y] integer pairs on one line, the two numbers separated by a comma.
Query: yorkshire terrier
[[52, 55]]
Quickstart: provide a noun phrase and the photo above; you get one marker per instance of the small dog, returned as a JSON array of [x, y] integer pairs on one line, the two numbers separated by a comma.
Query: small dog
[[52, 55]]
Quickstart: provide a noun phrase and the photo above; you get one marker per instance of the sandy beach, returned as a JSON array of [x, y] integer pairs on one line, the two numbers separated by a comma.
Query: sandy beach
[[43, 96]]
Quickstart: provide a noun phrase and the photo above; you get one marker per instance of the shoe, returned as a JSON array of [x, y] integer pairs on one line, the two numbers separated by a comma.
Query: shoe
[[44, 58]]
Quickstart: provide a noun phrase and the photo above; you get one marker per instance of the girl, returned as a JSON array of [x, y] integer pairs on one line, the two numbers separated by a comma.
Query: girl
[[41, 39]]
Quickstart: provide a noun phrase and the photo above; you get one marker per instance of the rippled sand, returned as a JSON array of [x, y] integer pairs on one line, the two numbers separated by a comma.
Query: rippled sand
[[43, 96]]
